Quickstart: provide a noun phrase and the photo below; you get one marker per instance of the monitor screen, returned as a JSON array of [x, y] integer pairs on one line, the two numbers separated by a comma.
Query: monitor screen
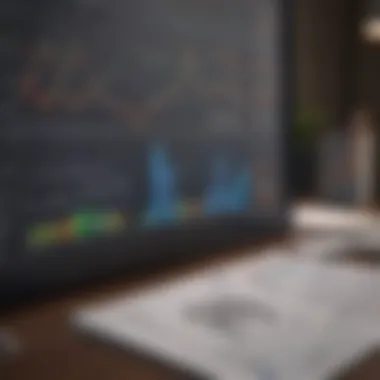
[[124, 118]]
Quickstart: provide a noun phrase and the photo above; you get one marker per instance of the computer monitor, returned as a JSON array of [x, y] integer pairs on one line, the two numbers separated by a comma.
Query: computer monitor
[[138, 130]]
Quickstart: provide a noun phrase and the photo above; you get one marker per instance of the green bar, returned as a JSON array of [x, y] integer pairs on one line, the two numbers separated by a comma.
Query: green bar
[[81, 224]]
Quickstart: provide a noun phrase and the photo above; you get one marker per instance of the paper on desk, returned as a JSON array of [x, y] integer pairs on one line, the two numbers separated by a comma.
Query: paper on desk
[[278, 319], [342, 324]]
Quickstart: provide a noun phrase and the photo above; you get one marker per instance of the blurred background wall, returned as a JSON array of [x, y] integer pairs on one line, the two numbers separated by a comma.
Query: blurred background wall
[[336, 71]]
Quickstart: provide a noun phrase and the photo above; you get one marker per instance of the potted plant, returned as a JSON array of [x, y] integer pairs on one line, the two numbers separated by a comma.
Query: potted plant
[[307, 129]]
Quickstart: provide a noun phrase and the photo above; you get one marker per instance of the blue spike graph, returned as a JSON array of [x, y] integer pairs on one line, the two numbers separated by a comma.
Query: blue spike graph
[[227, 192], [163, 198]]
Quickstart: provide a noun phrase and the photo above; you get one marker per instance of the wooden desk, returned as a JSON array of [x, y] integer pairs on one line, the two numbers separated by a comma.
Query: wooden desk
[[52, 351]]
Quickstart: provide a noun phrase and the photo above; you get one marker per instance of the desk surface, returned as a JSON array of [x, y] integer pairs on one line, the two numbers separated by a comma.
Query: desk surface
[[51, 350]]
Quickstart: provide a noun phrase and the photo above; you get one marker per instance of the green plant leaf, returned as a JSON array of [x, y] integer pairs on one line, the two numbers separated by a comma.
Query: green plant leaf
[[308, 125]]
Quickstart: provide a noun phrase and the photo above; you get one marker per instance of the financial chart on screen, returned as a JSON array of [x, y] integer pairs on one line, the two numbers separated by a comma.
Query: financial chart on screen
[[138, 114]]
